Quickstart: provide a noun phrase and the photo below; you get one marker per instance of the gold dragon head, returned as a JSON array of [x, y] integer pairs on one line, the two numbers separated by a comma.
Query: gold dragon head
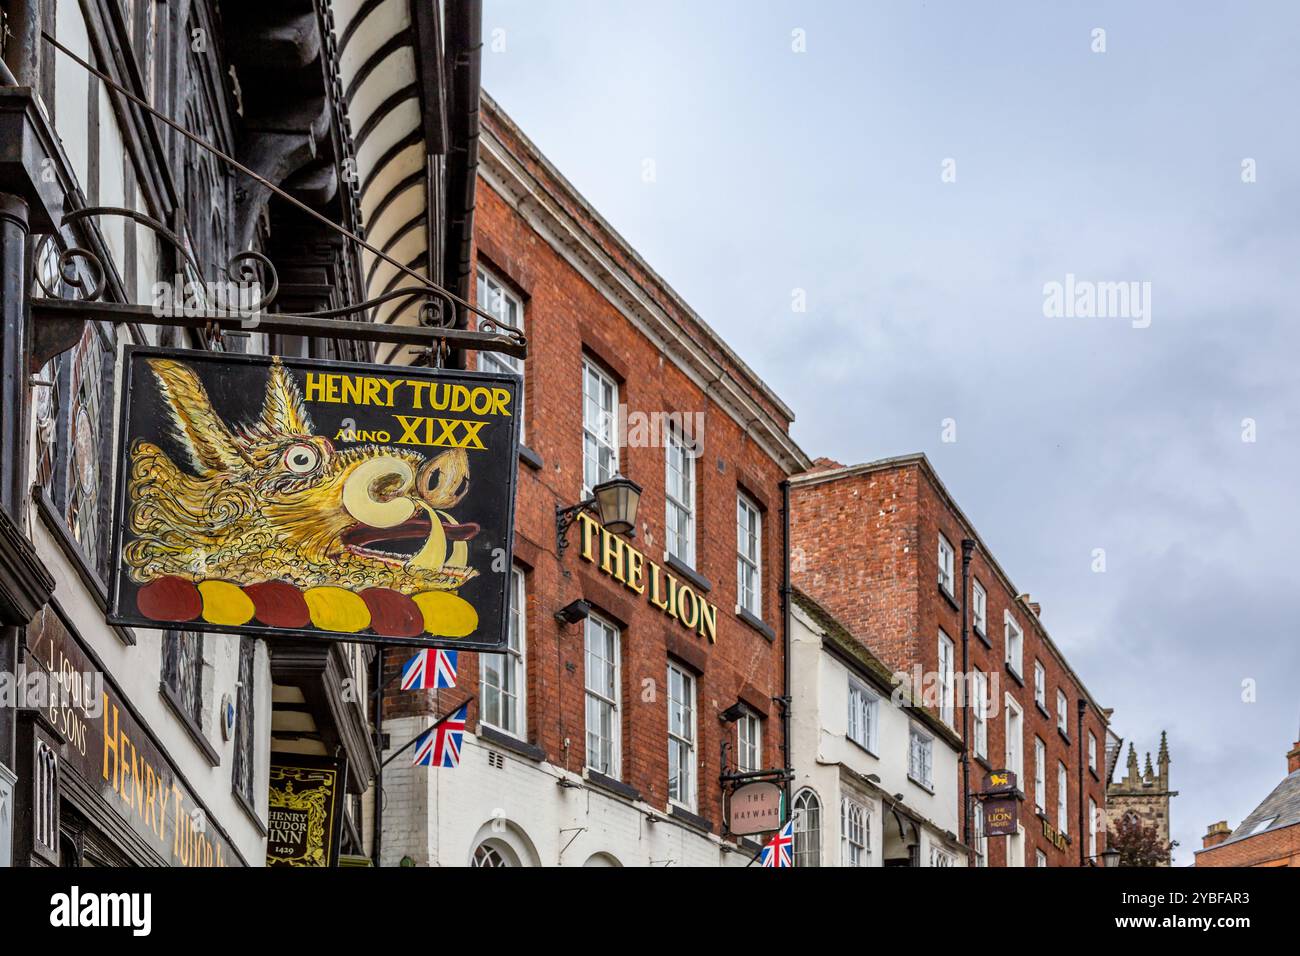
[[272, 500]]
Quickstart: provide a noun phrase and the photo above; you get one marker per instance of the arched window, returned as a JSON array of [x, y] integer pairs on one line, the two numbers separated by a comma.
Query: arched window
[[488, 855], [807, 829], [855, 834]]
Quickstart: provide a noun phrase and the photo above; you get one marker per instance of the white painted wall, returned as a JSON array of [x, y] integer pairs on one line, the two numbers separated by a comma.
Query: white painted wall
[[833, 766], [137, 672], [438, 817]]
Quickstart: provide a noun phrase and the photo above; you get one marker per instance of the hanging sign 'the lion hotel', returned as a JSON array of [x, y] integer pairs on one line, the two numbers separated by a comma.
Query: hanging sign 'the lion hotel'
[[269, 496]]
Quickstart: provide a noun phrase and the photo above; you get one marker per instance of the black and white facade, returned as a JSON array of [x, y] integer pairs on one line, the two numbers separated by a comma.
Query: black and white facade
[[101, 200]]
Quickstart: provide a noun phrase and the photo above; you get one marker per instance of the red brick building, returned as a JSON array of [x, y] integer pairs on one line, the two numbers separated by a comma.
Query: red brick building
[[600, 741], [1270, 834], [880, 546]]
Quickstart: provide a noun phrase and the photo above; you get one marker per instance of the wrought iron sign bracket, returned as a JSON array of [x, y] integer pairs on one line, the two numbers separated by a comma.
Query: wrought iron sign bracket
[[58, 323]]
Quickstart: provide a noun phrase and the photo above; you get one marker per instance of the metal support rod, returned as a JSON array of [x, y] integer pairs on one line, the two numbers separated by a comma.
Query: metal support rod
[[437, 723], [564, 518], [47, 313]]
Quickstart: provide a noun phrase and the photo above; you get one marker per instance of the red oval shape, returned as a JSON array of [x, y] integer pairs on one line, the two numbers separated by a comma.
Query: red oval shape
[[169, 598], [278, 604], [393, 614]]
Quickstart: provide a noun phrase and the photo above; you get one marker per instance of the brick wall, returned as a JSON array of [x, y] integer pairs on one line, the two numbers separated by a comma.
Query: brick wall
[[867, 540], [1280, 847], [567, 318]]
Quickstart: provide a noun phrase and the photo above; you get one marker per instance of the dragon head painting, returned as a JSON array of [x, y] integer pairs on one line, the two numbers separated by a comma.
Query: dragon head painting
[[271, 504]]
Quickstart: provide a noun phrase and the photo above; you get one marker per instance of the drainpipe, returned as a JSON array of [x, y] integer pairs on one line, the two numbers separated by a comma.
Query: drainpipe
[[377, 840], [967, 548], [24, 46], [465, 45], [1078, 729], [787, 608]]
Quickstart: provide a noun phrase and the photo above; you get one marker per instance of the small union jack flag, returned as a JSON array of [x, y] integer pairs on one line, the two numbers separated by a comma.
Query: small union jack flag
[[430, 668], [777, 851], [439, 746]]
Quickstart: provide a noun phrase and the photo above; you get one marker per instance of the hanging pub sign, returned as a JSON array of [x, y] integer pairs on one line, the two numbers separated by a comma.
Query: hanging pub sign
[[1000, 781], [294, 497], [754, 808], [1001, 816], [304, 818]]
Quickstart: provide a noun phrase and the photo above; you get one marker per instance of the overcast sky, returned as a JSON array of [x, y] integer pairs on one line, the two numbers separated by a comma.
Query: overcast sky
[[823, 171]]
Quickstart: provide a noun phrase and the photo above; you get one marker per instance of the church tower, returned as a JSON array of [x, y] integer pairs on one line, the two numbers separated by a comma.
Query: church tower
[[1145, 794]]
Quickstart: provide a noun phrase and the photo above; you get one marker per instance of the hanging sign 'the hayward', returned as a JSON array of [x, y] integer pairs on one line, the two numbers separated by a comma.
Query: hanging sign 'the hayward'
[[269, 496]]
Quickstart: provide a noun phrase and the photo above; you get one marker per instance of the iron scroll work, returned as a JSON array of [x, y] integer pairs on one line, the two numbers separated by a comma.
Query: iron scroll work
[[283, 497]]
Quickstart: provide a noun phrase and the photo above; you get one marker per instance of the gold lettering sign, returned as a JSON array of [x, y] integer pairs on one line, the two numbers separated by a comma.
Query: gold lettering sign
[[1058, 839], [636, 572], [304, 822]]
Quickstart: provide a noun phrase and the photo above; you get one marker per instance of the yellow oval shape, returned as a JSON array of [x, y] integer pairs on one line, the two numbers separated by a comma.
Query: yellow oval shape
[[225, 603], [445, 614], [336, 609]]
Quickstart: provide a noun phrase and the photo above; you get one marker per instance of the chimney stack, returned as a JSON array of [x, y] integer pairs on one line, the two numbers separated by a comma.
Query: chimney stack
[[1293, 759], [1216, 834]]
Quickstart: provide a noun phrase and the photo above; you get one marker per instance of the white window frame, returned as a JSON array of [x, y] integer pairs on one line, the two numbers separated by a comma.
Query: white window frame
[[1040, 684], [1016, 847], [939, 857], [807, 828], [855, 833], [947, 565], [1092, 829], [981, 712], [679, 498], [749, 556], [510, 716], [1040, 774], [749, 743], [1092, 751], [920, 747], [980, 606], [602, 698], [1062, 798], [1062, 712], [682, 737], [981, 840], [1012, 629], [496, 297], [1015, 758], [947, 689], [599, 433], [1040, 858], [864, 714]]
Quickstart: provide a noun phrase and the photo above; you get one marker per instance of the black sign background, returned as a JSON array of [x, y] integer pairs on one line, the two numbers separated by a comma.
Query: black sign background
[[320, 780], [236, 385]]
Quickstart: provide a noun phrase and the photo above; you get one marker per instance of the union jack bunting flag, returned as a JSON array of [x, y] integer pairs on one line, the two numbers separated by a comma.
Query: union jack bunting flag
[[439, 746], [777, 851], [430, 668]]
